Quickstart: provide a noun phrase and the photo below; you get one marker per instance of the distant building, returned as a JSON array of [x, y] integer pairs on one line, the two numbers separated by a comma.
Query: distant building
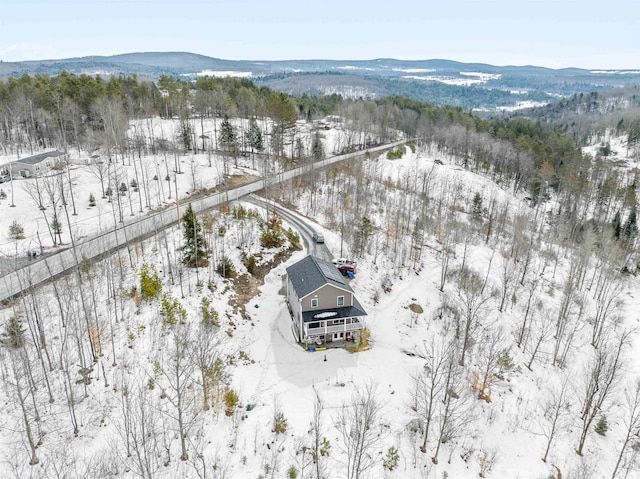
[[35, 165], [323, 306]]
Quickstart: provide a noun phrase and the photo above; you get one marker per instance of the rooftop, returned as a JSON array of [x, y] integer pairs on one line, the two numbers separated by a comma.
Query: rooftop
[[311, 273], [35, 159]]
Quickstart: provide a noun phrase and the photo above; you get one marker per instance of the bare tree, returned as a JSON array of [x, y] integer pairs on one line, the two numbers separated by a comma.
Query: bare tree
[[320, 445], [601, 375], [137, 426], [471, 299], [206, 355], [178, 374], [16, 378], [628, 457], [455, 409], [430, 381], [358, 424], [555, 407], [492, 350]]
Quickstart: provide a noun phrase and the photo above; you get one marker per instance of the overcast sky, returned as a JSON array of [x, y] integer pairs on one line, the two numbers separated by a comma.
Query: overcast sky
[[559, 33]]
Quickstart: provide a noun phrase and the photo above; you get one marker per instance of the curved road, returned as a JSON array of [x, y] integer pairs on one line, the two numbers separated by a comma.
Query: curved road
[[299, 222], [55, 265]]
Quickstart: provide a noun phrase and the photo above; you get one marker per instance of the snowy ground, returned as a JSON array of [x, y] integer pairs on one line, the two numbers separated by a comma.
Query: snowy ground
[[198, 171], [275, 375]]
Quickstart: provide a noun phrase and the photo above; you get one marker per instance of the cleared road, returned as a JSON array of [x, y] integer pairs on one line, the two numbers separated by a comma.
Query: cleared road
[[298, 222], [41, 271]]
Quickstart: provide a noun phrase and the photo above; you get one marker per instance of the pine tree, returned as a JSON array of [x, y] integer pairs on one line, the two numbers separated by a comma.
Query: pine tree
[[13, 334], [630, 229], [617, 225], [365, 230], [476, 207], [16, 231], [194, 251], [227, 134], [317, 148], [255, 136]]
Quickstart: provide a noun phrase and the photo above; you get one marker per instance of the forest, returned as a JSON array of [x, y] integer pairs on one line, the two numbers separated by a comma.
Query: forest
[[498, 257]]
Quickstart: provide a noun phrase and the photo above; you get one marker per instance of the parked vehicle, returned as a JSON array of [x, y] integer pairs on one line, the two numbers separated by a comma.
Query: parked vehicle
[[341, 261], [317, 237], [347, 268]]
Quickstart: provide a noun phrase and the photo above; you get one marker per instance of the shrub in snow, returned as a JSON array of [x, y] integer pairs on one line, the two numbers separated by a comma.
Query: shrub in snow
[[602, 426], [92, 200], [279, 423], [3, 195], [225, 267], [209, 315], [390, 461], [396, 153], [230, 401], [292, 473], [172, 311], [150, 283], [293, 238], [272, 233]]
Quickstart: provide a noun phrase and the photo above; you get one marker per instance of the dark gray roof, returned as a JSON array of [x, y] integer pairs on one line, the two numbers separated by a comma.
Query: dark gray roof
[[35, 159], [345, 312], [311, 273]]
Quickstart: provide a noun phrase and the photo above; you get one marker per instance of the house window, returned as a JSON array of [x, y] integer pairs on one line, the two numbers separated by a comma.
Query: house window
[[314, 303], [340, 300]]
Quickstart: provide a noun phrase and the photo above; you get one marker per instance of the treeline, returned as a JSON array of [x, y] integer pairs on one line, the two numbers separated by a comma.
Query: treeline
[[582, 114], [89, 112]]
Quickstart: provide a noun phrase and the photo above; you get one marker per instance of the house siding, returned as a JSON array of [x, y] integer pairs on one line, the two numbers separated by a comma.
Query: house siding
[[327, 297]]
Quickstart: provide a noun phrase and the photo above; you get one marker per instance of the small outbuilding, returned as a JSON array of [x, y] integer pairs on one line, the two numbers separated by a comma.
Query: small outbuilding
[[36, 165]]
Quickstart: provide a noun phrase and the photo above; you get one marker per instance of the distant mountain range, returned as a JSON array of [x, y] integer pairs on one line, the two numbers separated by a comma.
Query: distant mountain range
[[469, 85]]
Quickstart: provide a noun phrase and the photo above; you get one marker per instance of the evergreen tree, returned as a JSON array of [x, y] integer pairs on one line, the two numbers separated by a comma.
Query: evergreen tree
[[227, 134], [476, 208], [228, 140], [16, 231], [316, 148], [194, 251], [255, 136], [365, 230], [630, 229], [617, 225], [13, 334]]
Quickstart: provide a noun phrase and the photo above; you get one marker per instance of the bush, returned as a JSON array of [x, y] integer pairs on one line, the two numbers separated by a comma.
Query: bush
[[293, 238], [397, 153], [172, 311], [209, 315], [225, 267], [231, 401], [292, 473], [279, 423], [3, 195], [150, 283], [92, 200], [271, 239], [390, 461], [602, 426], [250, 263]]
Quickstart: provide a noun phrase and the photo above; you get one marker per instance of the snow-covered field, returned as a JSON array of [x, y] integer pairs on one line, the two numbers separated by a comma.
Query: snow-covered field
[[501, 436]]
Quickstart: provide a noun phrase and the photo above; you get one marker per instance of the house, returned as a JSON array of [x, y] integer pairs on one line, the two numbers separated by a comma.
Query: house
[[323, 306], [35, 165]]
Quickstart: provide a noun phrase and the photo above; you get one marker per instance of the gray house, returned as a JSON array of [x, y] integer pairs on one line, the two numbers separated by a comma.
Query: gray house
[[322, 304], [37, 164]]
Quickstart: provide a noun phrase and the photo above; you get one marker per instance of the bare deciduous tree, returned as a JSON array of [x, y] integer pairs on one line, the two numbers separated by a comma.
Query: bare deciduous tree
[[358, 424], [628, 456]]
